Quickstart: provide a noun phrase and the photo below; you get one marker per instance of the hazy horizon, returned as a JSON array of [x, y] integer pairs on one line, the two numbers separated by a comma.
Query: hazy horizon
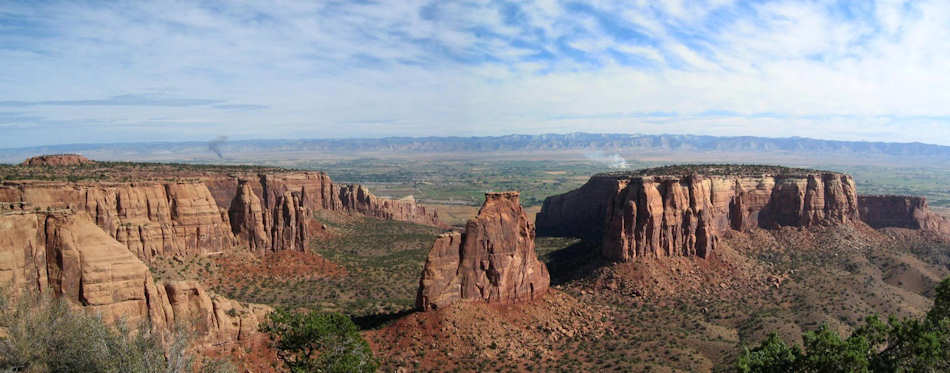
[[226, 141], [89, 72]]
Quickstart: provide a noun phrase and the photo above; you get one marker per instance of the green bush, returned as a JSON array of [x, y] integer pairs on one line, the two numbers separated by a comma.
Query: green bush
[[908, 345], [318, 342], [46, 334]]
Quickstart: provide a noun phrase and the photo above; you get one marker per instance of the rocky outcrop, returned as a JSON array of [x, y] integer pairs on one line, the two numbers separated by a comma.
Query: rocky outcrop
[[247, 218], [580, 212], [150, 219], [882, 211], [684, 215], [22, 252], [263, 212], [214, 317], [73, 258], [57, 160], [493, 261], [357, 198]]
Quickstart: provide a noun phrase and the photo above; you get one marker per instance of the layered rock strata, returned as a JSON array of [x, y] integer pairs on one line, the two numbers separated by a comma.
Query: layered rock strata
[[684, 215], [264, 212], [882, 211], [492, 261], [73, 258]]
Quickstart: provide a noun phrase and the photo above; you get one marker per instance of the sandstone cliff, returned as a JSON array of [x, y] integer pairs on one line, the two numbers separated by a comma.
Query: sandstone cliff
[[881, 211], [684, 214], [71, 257], [57, 160], [264, 212], [492, 261], [150, 219]]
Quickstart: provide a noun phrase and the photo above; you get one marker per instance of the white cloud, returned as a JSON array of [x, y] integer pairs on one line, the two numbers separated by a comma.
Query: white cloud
[[812, 69]]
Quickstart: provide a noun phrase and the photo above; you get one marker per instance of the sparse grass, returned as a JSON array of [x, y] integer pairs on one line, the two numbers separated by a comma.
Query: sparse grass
[[367, 267]]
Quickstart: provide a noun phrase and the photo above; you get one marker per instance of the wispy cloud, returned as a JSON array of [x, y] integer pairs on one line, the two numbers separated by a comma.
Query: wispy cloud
[[849, 70], [241, 107], [121, 100]]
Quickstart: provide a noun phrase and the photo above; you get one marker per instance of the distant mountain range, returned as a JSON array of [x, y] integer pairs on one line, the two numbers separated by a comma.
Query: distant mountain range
[[509, 143]]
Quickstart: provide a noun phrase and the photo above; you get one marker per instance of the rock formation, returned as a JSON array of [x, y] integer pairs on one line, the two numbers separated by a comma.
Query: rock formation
[[150, 219], [882, 211], [57, 160], [669, 214], [264, 212], [492, 261], [70, 256], [89, 241], [215, 317]]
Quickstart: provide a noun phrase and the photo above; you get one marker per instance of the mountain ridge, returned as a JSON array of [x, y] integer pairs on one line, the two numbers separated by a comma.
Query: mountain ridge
[[514, 142]]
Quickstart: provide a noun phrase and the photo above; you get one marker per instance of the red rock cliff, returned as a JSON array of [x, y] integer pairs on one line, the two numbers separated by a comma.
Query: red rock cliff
[[901, 211], [671, 215], [264, 212], [492, 261], [151, 219], [70, 256], [287, 201]]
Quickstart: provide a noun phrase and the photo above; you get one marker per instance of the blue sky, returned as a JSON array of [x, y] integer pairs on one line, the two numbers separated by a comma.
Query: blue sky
[[74, 72]]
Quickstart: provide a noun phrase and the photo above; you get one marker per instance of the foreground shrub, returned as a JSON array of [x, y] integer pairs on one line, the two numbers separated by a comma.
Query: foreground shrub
[[46, 334], [908, 345], [318, 342]]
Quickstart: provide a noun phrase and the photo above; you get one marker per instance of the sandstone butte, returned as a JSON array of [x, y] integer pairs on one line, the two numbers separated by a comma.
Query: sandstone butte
[[492, 261], [90, 242], [684, 210], [57, 160]]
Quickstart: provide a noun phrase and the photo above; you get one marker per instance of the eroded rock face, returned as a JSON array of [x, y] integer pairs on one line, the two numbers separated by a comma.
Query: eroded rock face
[[57, 160], [580, 212], [492, 261], [882, 211], [247, 218], [263, 212], [357, 198], [685, 215], [215, 317], [22, 252], [150, 219], [72, 257]]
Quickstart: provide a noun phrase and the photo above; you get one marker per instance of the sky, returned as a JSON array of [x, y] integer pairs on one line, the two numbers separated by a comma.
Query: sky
[[103, 71]]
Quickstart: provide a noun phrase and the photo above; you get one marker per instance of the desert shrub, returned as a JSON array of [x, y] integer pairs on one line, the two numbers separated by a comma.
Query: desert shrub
[[46, 334], [908, 345], [318, 342]]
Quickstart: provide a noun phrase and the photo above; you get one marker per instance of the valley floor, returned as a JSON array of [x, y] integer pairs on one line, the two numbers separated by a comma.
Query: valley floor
[[677, 314]]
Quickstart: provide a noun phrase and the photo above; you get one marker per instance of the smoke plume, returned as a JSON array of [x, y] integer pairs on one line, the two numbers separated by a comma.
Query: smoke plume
[[612, 161], [215, 145]]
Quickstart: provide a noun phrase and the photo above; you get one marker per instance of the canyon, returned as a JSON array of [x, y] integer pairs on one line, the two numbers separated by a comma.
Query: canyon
[[717, 240], [91, 241], [492, 261], [264, 212]]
